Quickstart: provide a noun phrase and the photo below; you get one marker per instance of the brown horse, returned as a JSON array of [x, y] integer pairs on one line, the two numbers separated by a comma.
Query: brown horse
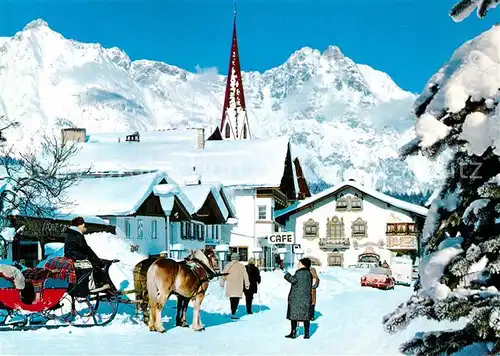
[[141, 294], [188, 279]]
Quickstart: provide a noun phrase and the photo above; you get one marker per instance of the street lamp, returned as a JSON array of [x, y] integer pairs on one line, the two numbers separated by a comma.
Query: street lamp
[[222, 251]]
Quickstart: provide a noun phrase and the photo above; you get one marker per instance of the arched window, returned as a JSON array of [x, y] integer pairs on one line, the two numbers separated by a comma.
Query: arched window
[[244, 131], [359, 228], [228, 131], [334, 227]]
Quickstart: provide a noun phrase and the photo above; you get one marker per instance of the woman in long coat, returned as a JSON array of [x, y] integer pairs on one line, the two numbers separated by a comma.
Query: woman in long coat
[[300, 298], [236, 281]]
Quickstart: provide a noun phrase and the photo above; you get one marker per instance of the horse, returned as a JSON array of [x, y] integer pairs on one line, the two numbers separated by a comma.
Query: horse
[[188, 279], [141, 294]]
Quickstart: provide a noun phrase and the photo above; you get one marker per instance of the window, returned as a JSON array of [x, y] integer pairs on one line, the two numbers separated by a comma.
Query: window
[[127, 228], [412, 228], [311, 229], [140, 229], [242, 251], [184, 230], [359, 228], [334, 227], [202, 232], [356, 203], [342, 203], [244, 131], [262, 212], [189, 232], [154, 229], [228, 131]]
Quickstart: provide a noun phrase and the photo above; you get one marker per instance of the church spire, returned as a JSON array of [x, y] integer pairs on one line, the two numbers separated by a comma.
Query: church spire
[[234, 122]]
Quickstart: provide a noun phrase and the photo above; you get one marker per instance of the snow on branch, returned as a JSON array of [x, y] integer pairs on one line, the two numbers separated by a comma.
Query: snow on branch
[[36, 178], [464, 8]]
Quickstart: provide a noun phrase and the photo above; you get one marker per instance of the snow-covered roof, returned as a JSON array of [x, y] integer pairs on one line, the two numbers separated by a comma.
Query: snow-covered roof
[[112, 196], [167, 194], [198, 195], [417, 209], [256, 162]]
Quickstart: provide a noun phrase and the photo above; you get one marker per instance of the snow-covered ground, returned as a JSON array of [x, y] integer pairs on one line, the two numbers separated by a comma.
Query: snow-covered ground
[[349, 321]]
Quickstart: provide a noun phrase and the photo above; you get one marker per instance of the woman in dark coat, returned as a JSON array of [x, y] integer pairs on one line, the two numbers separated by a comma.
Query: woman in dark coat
[[300, 298], [254, 278]]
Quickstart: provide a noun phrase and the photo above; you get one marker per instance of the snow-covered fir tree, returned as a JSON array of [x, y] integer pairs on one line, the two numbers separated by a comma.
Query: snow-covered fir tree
[[464, 8], [459, 275]]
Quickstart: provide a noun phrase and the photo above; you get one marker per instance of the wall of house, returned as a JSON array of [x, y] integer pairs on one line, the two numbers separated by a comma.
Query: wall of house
[[148, 242], [374, 212], [242, 234]]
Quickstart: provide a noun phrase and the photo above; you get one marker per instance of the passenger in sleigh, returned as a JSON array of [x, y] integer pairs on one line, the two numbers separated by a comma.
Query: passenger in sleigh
[[76, 248]]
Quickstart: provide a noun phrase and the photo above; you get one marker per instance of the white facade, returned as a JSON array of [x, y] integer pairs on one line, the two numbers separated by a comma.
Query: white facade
[[255, 222], [348, 239], [150, 235]]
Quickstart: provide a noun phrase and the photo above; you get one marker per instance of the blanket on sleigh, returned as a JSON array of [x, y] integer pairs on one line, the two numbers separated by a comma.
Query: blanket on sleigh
[[12, 274], [56, 267]]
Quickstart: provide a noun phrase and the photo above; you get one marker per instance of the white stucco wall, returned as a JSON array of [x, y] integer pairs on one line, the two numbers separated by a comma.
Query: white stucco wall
[[147, 244], [376, 213]]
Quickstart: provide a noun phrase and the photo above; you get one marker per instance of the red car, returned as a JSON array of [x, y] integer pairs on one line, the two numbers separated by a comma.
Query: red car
[[378, 277]]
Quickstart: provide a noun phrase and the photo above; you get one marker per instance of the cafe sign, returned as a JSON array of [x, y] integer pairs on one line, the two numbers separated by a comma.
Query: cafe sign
[[286, 238]]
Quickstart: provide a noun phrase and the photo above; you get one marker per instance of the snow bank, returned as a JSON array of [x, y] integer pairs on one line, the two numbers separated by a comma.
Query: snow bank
[[432, 267], [109, 246], [472, 72]]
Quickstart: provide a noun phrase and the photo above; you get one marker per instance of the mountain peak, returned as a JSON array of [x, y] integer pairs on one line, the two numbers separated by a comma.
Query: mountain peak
[[38, 23], [333, 52]]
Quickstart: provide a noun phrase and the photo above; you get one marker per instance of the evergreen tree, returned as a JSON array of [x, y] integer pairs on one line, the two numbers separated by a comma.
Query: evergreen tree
[[464, 8], [459, 274]]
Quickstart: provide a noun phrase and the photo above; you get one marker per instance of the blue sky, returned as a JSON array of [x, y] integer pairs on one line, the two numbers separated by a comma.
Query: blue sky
[[408, 39]]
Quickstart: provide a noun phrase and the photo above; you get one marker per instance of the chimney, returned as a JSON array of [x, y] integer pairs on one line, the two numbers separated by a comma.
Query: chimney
[[200, 138], [73, 135]]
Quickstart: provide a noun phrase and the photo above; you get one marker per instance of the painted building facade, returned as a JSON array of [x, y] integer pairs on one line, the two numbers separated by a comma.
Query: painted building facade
[[349, 223]]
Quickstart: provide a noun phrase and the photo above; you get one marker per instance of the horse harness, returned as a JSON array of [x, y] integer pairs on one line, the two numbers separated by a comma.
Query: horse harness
[[201, 271]]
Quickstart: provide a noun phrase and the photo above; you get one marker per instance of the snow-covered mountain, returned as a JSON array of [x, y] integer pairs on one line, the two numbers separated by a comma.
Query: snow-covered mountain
[[347, 120]]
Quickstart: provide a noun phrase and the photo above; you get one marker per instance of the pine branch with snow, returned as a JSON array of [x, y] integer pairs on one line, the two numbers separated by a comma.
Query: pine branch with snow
[[464, 8], [460, 269]]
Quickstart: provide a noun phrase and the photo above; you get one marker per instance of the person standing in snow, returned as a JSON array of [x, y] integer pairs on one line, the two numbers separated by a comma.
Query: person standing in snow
[[254, 278], [76, 248], [236, 280], [315, 281], [300, 298]]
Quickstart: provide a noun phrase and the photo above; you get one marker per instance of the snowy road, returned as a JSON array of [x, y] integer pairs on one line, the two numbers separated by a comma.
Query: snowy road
[[348, 323]]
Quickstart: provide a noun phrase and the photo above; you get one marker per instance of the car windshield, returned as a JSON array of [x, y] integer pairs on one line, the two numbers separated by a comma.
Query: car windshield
[[380, 270]]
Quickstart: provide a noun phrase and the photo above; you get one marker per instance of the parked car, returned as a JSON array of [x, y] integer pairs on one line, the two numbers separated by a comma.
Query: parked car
[[378, 277]]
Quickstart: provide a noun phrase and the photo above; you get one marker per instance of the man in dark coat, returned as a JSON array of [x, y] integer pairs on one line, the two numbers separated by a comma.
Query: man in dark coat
[[300, 298], [76, 248], [254, 278]]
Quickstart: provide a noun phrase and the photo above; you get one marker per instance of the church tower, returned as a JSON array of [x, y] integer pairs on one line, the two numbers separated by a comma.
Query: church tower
[[234, 122]]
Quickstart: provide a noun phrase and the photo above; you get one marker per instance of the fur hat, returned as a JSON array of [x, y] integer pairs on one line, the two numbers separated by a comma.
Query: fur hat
[[251, 261], [77, 221], [235, 256]]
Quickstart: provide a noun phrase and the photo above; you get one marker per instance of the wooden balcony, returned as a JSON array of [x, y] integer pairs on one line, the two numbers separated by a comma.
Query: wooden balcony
[[342, 243], [402, 242], [279, 197], [401, 229]]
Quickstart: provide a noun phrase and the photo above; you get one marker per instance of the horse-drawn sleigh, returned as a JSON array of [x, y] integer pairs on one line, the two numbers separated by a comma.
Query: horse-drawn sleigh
[[59, 294]]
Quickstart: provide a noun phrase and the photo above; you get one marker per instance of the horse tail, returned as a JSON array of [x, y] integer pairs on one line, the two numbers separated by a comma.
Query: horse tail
[[153, 290]]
